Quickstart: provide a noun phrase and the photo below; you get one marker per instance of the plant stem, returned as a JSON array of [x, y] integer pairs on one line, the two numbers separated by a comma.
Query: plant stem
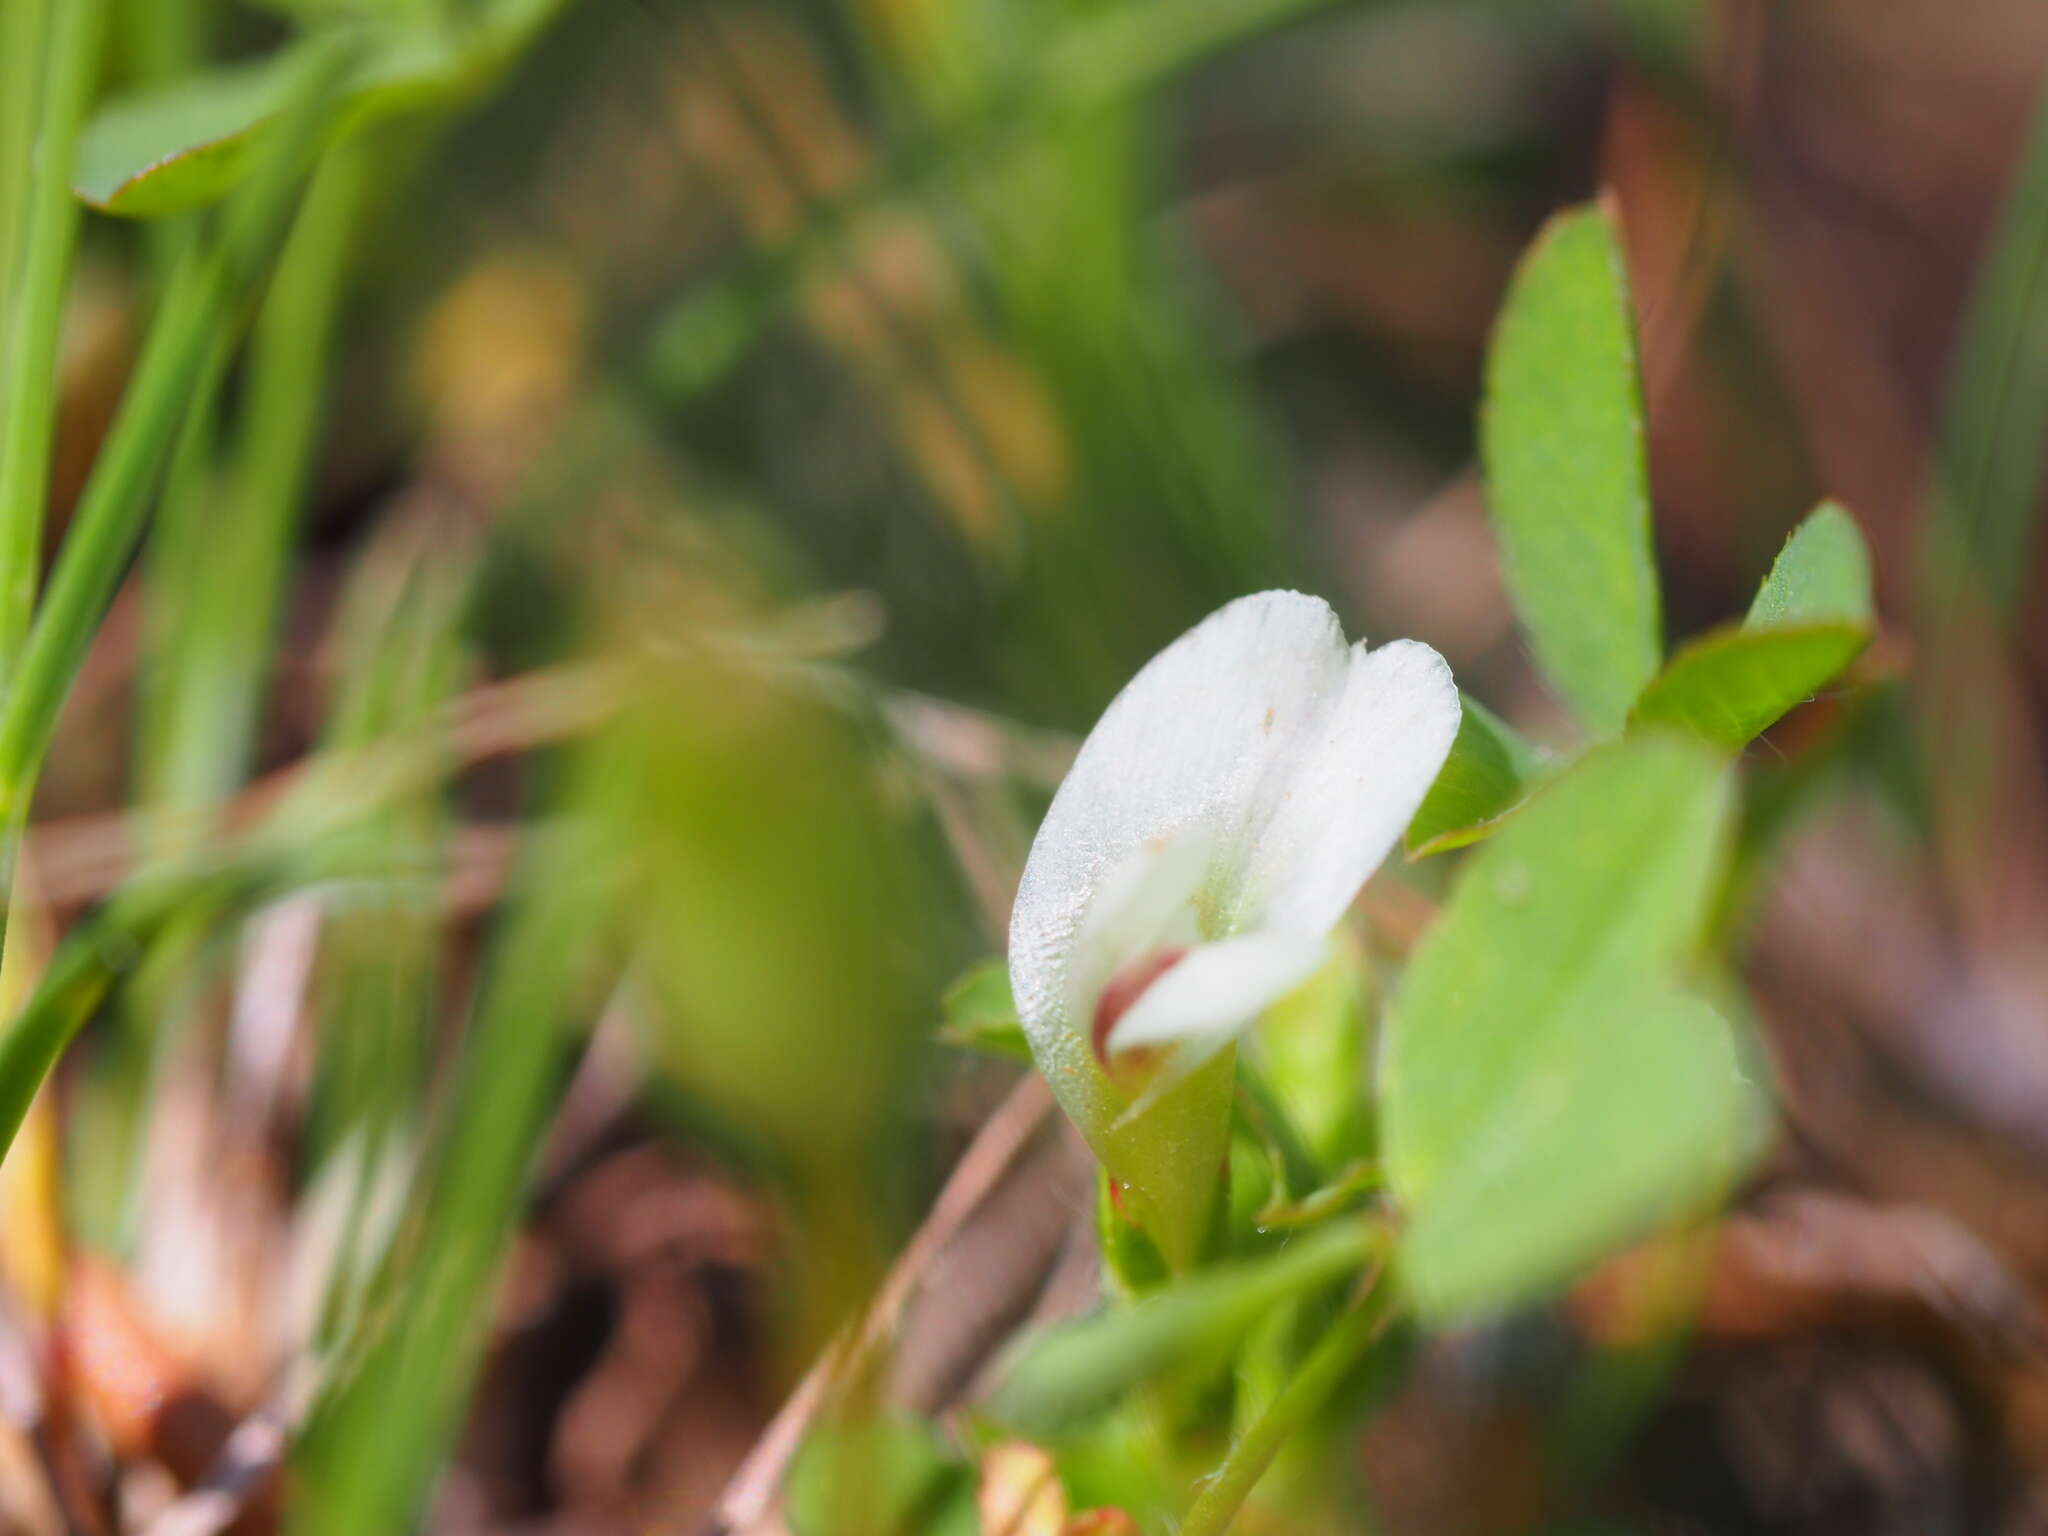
[[28, 375], [1313, 1382], [190, 324], [370, 1453], [23, 26], [218, 569], [165, 40]]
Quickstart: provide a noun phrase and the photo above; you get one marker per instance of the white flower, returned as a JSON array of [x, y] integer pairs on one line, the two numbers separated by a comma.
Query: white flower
[[1218, 821]]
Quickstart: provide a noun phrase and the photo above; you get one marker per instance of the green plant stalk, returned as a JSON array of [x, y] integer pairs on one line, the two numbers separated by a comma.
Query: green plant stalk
[[28, 377], [195, 314], [190, 326], [371, 1452], [1311, 1385], [1981, 529], [180, 540], [22, 25], [216, 572], [402, 642], [166, 39], [98, 954], [221, 588]]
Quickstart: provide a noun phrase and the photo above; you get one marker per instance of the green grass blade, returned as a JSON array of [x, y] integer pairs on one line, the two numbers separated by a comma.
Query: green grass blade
[[1981, 527], [372, 1450], [117, 497], [22, 31], [35, 316], [220, 588]]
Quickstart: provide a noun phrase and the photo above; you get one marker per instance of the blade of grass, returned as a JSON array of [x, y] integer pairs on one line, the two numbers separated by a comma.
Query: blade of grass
[[403, 650], [223, 587], [22, 24], [1977, 546], [117, 496], [187, 334], [309, 830], [98, 953], [217, 571], [1988, 462], [369, 1455], [166, 39], [28, 376]]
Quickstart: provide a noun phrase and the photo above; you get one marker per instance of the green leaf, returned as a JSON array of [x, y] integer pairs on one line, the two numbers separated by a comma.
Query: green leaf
[[1822, 575], [1488, 772], [1561, 436], [1543, 1092], [1731, 684], [1070, 1372], [888, 1476], [979, 1014], [1644, 1118], [1983, 522], [1811, 617], [173, 148]]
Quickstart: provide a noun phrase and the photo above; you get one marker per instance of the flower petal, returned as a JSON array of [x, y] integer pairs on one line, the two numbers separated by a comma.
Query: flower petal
[[1143, 905], [1351, 788], [1192, 742], [1213, 992]]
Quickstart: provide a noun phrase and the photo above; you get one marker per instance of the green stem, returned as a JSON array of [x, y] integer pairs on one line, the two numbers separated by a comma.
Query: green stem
[[23, 25], [370, 1453], [165, 41], [93, 958], [29, 372], [192, 321], [1310, 1387], [109, 517], [219, 570]]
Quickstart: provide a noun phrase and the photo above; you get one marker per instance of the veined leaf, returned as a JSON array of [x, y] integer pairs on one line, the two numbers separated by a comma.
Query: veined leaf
[[1543, 998], [1731, 684], [1561, 436], [1488, 772]]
